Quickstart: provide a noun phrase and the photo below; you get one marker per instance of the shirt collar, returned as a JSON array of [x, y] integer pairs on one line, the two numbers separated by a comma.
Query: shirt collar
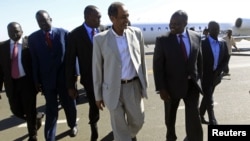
[[184, 34], [89, 29], [50, 32], [212, 39], [20, 41], [123, 35]]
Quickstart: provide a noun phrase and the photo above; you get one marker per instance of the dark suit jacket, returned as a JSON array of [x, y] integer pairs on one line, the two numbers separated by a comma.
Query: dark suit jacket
[[48, 63], [170, 69], [213, 77], [79, 44], [5, 63]]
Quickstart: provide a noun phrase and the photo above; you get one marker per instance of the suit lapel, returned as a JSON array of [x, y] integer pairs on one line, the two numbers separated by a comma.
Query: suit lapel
[[86, 35], [130, 40], [112, 44], [191, 39], [41, 35], [209, 49]]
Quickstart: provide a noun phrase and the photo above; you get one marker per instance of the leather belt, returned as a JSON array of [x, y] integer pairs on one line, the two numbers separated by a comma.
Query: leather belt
[[128, 81]]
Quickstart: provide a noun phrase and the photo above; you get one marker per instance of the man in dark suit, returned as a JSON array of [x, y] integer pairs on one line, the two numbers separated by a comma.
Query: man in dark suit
[[80, 45], [47, 47], [18, 80], [177, 66], [215, 58]]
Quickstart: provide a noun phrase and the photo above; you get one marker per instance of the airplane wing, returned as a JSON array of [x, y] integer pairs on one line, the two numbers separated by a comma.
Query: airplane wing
[[239, 38]]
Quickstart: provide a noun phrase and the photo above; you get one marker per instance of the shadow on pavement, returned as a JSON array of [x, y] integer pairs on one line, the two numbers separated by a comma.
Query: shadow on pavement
[[10, 122], [108, 137]]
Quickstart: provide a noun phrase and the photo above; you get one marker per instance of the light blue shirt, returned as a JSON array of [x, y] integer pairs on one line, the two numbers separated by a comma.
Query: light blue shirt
[[215, 46], [89, 30], [20, 65]]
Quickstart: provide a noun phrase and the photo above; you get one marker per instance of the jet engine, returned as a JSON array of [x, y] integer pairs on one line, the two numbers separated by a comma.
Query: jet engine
[[242, 23]]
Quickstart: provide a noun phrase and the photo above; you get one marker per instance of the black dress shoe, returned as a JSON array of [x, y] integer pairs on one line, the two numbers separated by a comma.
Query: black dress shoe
[[94, 132], [134, 139], [73, 131], [203, 121], [39, 118]]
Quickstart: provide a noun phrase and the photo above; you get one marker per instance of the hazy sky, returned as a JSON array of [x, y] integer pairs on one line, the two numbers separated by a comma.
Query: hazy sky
[[69, 13]]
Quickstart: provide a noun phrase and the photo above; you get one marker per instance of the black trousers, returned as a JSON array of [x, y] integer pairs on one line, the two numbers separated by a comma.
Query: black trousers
[[23, 103], [226, 69], [1, 79], [192, 120], [207, 103], [94, 114]]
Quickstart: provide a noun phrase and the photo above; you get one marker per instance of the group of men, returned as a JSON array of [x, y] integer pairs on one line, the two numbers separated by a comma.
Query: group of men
[[113, 72]]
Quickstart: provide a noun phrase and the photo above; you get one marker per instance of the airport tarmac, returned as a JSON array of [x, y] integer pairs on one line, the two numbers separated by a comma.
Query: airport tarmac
[[231, 107]]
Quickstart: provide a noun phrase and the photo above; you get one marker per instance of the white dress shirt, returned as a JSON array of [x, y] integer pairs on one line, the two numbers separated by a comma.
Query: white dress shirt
[[128, 69]]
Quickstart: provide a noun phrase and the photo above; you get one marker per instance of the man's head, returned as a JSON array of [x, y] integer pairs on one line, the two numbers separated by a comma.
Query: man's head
[[118, 14], [178, 22], [43, 19], [15, 31], [213, 29], [205, 32], [229, 32], [92, 16]]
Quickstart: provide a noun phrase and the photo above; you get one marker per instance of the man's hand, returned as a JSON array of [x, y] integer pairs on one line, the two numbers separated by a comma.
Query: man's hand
[[164, 95], [100, 104], [73, 93]]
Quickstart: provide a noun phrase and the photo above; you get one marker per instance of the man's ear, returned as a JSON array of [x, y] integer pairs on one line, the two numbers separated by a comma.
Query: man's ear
[[112, 18]]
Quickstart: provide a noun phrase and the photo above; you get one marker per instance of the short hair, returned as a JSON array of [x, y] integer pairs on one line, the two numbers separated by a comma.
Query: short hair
[[181, 13], [40, 12], [89, 9], [10, 25], [211, 23], [113, 8]]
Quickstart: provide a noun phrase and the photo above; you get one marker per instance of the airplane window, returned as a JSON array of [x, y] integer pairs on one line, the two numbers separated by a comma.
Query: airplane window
[[144, 29], [159, 28], [152, 28], [166, 28]]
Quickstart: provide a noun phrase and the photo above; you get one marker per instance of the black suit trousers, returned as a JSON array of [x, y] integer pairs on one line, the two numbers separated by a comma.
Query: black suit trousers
[[192, 119], [94, 114], [207, 103], [23, 103]]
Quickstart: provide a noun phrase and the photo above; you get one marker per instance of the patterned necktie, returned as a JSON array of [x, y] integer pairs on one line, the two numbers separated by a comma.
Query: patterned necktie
[[48, 40], [14, 62], [92, 33], [182, 44]]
